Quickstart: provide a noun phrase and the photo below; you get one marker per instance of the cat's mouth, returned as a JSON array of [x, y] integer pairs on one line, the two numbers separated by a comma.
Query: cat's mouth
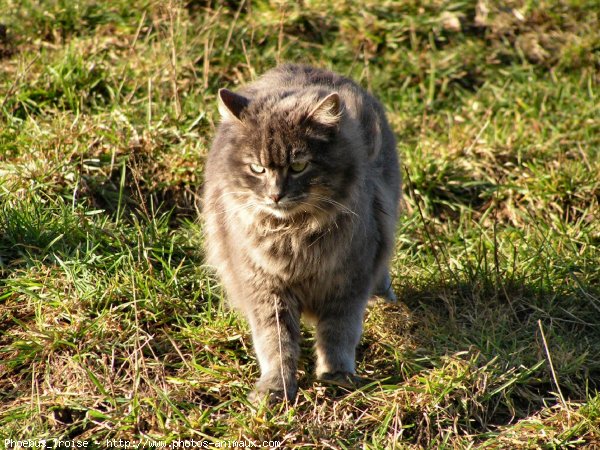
[[291, 208], [285, 207]]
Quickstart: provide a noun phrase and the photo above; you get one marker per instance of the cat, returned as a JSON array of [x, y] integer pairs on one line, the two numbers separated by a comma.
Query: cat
[[301, 194]]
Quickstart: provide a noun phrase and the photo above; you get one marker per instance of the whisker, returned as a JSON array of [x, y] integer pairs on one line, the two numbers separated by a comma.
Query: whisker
[[223, 194], [237, 208], [341, 206]]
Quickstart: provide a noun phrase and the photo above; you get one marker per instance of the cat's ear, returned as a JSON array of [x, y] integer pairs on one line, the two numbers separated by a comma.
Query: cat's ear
[[328, 111], [231, 104]]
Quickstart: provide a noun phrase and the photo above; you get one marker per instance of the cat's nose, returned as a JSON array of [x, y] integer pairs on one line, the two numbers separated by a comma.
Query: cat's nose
[[276, 196]]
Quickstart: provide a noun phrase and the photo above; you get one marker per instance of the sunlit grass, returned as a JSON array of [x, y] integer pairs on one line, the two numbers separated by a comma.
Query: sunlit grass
[[111, 326]]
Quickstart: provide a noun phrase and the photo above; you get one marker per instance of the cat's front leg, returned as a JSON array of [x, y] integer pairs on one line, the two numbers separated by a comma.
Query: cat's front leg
[[337, 336], [275, 323]]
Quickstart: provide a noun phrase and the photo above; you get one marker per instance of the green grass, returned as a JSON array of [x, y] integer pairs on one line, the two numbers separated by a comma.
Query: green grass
[[111, 327]]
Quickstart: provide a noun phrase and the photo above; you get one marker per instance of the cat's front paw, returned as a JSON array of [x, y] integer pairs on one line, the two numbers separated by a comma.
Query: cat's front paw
[[342, 378], [272, 394]]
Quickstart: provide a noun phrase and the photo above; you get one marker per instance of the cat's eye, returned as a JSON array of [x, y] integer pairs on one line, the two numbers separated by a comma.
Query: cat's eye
[[257, 168], [298, 166]]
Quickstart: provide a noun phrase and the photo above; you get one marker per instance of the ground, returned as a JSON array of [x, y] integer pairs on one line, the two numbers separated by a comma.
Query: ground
[[111, 327]]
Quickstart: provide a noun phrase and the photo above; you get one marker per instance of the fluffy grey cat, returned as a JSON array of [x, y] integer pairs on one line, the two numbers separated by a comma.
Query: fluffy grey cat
[[302, 187]]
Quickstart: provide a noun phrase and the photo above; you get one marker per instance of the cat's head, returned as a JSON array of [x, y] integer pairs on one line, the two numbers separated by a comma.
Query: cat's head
[[285, 151]]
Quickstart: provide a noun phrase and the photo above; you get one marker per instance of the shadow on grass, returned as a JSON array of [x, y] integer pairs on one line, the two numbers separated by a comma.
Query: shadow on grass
[[479, 355]]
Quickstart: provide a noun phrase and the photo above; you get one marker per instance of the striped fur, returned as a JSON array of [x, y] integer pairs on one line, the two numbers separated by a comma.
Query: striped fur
[[289, 240]]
